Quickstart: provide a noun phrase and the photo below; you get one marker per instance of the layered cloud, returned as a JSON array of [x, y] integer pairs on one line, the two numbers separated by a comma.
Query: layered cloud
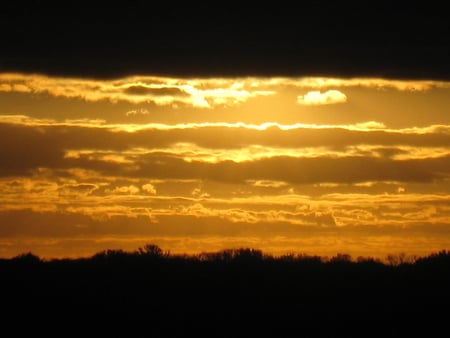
[[198, 179], [202, 93], [158, 90]]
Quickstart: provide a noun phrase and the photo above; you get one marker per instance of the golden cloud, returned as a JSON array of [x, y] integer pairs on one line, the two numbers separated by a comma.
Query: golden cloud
[[200, 93], [316, 98], [149, 188]]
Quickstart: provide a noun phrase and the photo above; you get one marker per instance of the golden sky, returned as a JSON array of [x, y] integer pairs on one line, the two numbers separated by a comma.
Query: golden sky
[[310, 165]]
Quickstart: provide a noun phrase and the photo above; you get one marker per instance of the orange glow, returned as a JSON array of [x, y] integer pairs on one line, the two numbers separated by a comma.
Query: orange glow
[[312, 165]]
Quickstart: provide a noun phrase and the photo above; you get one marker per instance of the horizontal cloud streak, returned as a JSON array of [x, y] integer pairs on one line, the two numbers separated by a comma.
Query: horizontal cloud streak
[[101, 124], [158, 90], [229, 154], [202, 93]]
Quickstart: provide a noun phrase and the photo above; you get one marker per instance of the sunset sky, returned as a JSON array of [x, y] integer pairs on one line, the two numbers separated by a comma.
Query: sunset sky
[[321, 130], [312, 165]]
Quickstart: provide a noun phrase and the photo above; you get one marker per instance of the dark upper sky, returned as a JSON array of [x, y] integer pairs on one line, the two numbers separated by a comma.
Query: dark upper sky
[[109, 39]]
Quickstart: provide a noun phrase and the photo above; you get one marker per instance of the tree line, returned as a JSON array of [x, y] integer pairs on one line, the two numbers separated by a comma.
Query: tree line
[[244, 292]]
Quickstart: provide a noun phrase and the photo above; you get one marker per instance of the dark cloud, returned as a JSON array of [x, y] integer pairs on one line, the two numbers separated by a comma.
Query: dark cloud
[[142, 90], [75, 189], [297, 170], [23, 149], [75, 137], [82, 38], [26, 223], [58, 224], [336, 138]]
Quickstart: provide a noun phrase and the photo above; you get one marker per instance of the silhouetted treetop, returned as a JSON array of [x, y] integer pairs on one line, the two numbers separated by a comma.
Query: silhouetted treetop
[[247, 256]]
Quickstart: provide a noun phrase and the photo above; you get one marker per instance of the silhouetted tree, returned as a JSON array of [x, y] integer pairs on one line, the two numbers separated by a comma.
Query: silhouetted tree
[[399, 259], [110, 254], [151, 250], [28, 257], [341, 258]]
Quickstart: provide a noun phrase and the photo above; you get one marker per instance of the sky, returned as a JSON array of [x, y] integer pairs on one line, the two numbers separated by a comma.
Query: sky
[[282, 131]]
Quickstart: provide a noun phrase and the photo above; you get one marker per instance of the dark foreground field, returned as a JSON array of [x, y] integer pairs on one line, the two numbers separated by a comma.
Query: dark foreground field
[[233, 293]]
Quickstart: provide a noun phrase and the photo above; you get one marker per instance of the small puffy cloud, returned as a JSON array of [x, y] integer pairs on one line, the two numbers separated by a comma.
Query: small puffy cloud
[[130, 189], [198, 193], [149, 188], [401, 190], [315, 98], [137, 112], [267, 183]]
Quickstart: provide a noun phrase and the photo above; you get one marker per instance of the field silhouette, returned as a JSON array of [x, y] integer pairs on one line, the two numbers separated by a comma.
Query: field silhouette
[[231, 293]]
